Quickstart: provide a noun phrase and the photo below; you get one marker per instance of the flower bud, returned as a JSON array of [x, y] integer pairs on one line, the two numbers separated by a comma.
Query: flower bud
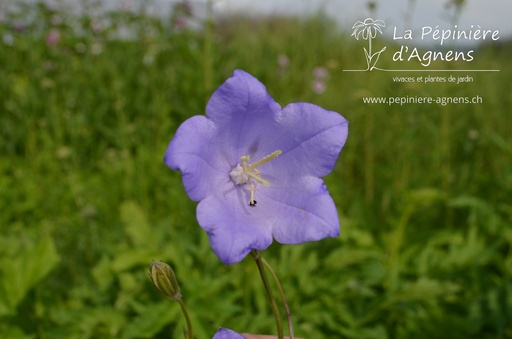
[[164, 279]]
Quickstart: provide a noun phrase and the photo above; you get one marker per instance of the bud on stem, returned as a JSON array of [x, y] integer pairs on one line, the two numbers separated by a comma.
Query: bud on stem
[[164, 279]]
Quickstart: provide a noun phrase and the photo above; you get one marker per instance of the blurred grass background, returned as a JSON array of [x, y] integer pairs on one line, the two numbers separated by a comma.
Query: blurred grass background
[[88, 104]]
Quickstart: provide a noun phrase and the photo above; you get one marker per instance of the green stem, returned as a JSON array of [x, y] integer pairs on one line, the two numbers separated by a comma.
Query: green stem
[[189, 334], [207, 49], [283, 298], [257, 258], [396, 243]]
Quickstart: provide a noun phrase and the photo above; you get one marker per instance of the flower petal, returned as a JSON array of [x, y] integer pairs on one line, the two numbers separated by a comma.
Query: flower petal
[[226, 333], [311, 139], [289, 212], [190, 152], [306, 211], [234, 228], [243, 113]]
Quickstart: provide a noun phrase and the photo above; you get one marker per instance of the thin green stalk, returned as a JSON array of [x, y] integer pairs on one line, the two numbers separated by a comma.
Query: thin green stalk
[[189, 334], [207, 49], [446, 133], [369, 174], [396, 243], [259, 262], [283, 298]]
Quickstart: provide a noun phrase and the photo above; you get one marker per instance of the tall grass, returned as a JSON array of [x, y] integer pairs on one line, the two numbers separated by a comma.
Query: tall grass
[[423, 191]]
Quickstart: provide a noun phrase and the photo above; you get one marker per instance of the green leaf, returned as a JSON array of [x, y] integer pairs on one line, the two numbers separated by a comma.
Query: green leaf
[[425, 289], [99, 322], [136, 224], [133, 258], [103, 273], [343, 257], [25, 271], [152, 320], [13, 332], [425, 196]]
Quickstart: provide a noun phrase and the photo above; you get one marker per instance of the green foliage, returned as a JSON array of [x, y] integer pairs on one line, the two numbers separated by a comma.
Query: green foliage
[[423, 191], [22, 267]]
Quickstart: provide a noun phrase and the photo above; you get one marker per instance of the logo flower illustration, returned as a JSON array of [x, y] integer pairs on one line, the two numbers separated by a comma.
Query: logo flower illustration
[[367, 30], [256, 168]]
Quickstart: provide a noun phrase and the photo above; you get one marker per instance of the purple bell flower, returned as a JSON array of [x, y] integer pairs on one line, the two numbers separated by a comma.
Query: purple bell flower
[[255, 168]]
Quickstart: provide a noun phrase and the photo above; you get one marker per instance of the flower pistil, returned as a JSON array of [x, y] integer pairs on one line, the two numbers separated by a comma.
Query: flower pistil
[[244, 173]]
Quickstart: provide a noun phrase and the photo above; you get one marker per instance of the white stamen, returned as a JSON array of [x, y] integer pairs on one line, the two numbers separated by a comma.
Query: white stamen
[[238, 175], [242, 174]]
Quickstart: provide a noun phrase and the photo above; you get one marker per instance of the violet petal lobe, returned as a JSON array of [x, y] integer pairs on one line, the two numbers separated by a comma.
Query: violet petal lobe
[[226, 333], [311, 139], [190, 153], [307, 211], [244, 114], [234, 228]]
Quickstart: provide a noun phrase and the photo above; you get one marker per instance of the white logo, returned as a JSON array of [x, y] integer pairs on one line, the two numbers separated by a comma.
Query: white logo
[[367, 30]]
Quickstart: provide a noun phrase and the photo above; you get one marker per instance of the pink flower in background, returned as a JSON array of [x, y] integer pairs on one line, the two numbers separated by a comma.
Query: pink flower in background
[[180, 22], [320, 73], [53, 37], [283, 60], [19, 26], [318, 86], [181, 13], [96, 26]]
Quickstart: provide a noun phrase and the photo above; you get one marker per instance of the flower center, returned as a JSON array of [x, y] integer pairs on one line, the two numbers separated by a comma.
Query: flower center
[[246, 173]]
